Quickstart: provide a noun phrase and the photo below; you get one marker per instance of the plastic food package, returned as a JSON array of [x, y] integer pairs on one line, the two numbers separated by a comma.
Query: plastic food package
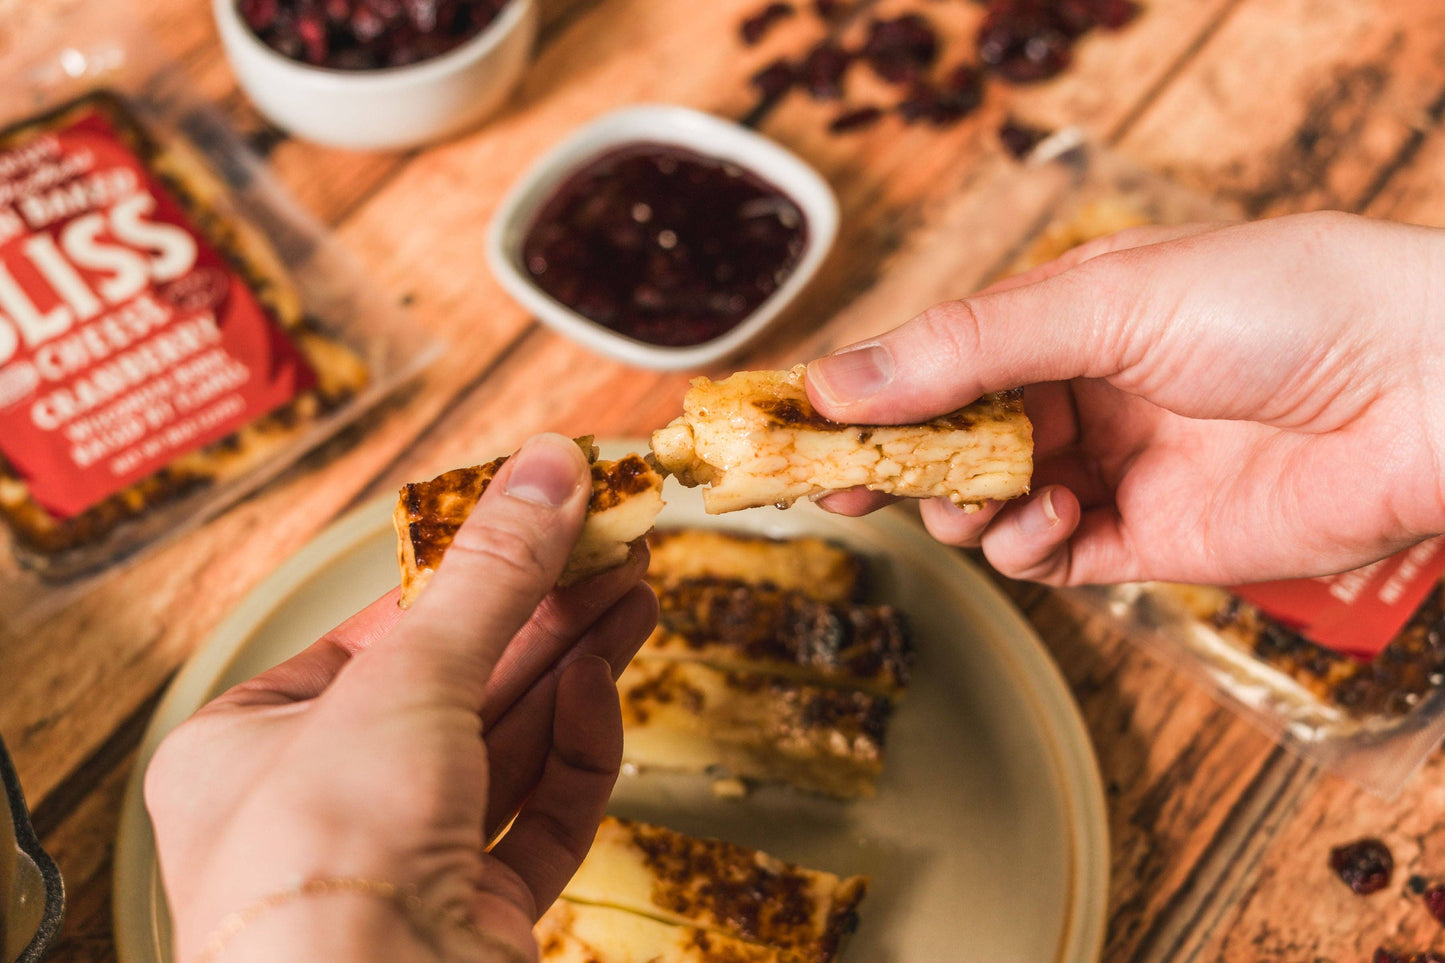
[[174, 331], [1371, 706]]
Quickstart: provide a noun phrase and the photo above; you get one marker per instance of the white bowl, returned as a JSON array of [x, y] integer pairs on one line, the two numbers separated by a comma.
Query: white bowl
[[705, 134], [386, 108]]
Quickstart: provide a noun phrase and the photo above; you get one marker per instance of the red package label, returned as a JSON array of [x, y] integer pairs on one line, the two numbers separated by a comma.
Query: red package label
[[126, 340], [1356, 613]]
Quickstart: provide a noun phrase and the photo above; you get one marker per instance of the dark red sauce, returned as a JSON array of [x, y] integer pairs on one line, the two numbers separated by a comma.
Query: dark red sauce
[[664, 245], [366, 34]]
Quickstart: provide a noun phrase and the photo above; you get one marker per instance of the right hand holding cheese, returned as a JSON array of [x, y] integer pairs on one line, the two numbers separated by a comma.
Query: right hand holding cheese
[[1210, 403]]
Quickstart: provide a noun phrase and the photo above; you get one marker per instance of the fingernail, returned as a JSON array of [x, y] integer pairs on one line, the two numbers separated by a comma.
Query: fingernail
[[853, 374], [1039, 517], [546, 471]]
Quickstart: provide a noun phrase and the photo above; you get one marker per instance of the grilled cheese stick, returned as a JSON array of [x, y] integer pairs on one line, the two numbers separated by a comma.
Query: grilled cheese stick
[[626, 497], [720, 888], [581, 933], [736, 626], [689, 717], [817, 568], [755, 439]]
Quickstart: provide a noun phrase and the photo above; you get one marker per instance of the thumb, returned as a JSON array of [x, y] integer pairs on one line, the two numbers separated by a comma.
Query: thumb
[[504, 560], [1079, 323]]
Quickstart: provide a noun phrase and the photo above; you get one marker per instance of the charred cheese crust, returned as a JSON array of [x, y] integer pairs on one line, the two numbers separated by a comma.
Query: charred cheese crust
[[761, 668], [626, 497], [736, 626], [690, 717], [1390, 685], [720, 888], [754, 439], [44, 542], [817, 568]]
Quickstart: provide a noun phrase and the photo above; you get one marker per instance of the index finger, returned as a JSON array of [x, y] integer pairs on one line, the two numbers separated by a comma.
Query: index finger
[[1077, 317]]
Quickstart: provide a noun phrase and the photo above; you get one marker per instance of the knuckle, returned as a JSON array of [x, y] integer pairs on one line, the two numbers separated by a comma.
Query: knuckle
[[1053, 569], [1126, 295], [951, 332], [565, 835]]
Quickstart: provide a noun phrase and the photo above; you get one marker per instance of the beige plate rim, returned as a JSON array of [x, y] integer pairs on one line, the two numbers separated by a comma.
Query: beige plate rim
[[1043, 694]]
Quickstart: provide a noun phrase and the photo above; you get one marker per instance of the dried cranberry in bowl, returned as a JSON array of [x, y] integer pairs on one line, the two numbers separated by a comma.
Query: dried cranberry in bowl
[[366, 34]]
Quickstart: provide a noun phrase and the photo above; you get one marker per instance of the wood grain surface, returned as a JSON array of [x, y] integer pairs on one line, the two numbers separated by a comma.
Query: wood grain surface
[[1219, 840]]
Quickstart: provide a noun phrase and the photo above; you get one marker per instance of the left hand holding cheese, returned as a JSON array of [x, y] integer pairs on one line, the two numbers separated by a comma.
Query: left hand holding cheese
[[352, 790]]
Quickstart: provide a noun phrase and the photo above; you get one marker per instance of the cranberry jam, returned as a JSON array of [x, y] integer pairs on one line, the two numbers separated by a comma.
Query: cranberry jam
[[663, 244], [366, 34]]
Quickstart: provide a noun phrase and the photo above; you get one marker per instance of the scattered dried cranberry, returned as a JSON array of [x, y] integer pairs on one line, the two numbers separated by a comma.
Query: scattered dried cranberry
[[1383, 955], [822, 70], [1021, 40], [900, 49], [855, 119], [1019, 139], [1024, 40], [1435, 902], [366, 34], [942, 105], [755, 27], [775, 79], [1365, 865], [921, 102]]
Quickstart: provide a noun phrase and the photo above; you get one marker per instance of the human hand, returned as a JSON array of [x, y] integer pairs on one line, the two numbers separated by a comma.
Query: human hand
[[395, 747], [1211, 404]]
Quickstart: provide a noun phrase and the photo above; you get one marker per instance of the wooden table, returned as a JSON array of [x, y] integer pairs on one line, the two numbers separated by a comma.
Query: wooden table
[[1219, 840]]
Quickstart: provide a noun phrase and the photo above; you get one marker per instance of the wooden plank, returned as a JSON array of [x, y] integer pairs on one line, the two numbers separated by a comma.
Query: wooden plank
[[1415, 192], [1175, 764], [927, 215], [1298, 104], [1297, 909]]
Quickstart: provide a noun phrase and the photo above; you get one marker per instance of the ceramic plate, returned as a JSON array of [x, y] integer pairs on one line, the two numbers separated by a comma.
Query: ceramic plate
[[986, 841]]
